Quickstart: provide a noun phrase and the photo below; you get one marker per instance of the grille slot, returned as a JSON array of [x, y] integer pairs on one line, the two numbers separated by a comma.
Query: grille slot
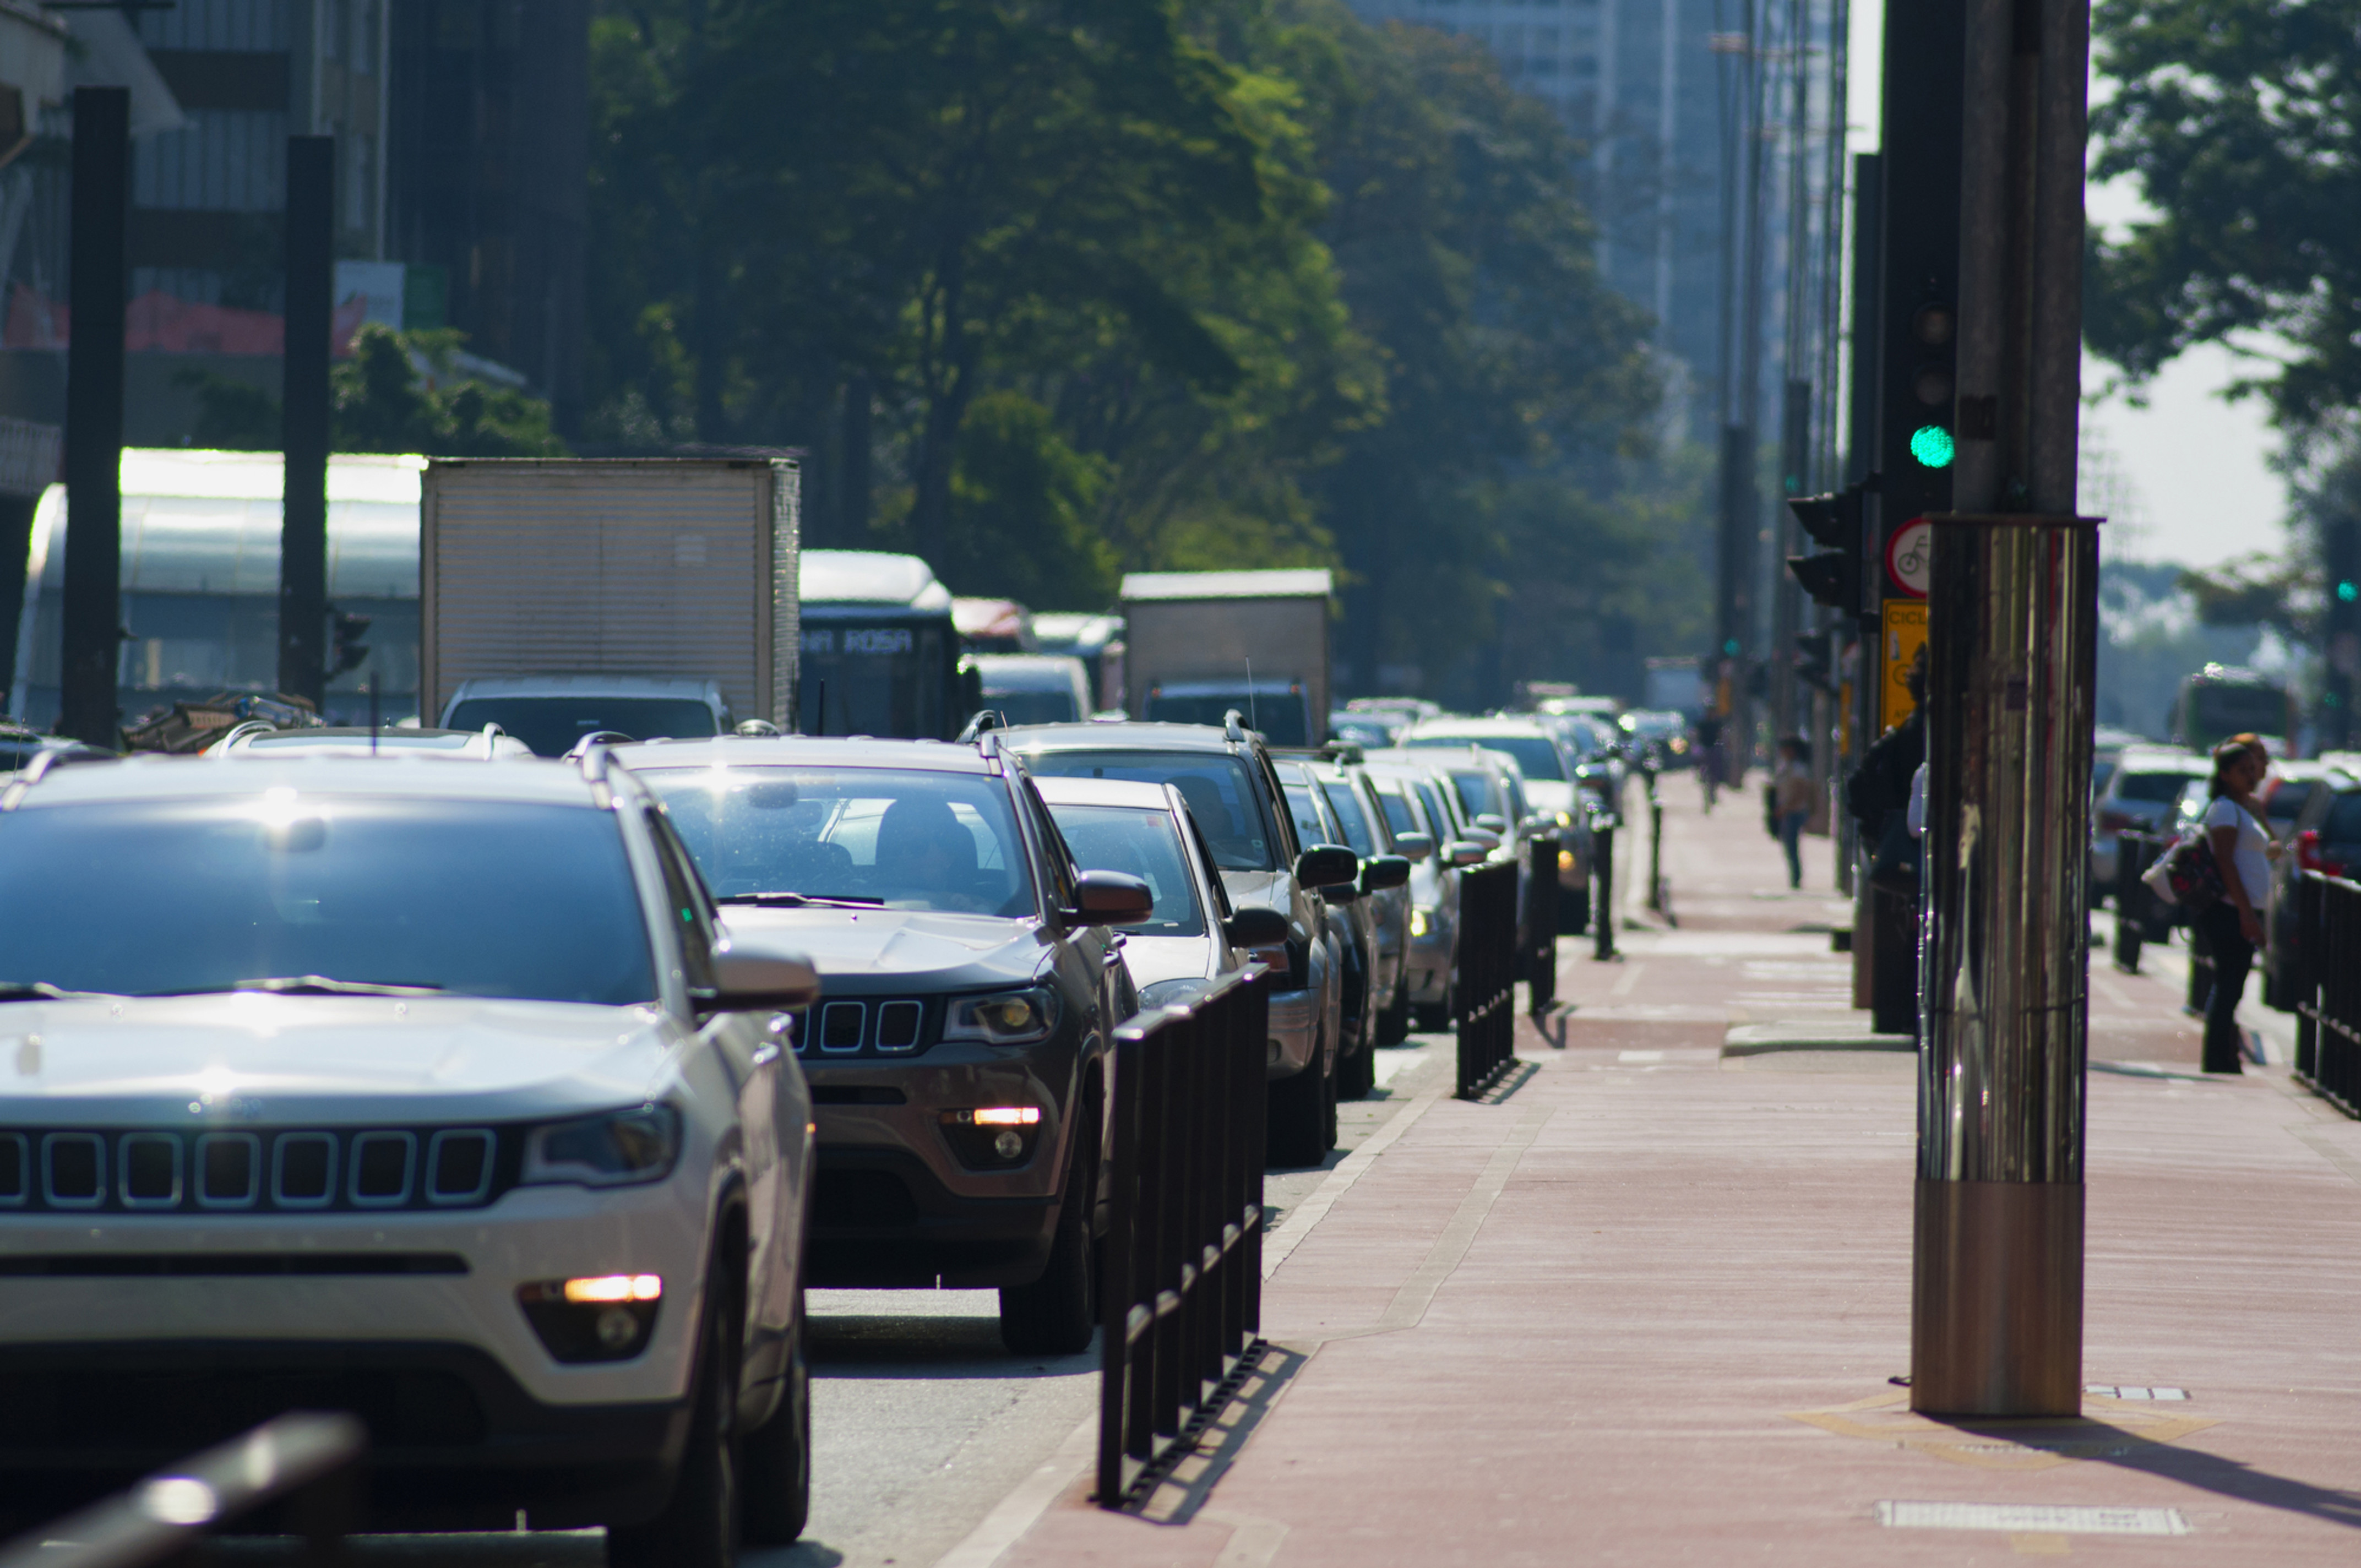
[[303, 1170], [73, 1170], [898, 1023], [382, 1165], [16, 1169], [229, 1171], [841, 1025], [150, 1164], [459, 1167]]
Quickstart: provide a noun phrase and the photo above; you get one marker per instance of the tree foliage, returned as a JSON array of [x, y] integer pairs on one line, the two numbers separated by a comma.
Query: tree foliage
[[399, 391]]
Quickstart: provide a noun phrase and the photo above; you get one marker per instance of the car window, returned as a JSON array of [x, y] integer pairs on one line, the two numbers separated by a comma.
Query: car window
[[551, 725], [1534, 753], [1220, 791], [2286, 801], [2150, 789], [1346, 807], [1402, 811], [1023, 707], [685, 900], [1437, 811], [906, 839], [480, 898], [1141, 842], [1476, 795], [1303, 805], [2343, 824]]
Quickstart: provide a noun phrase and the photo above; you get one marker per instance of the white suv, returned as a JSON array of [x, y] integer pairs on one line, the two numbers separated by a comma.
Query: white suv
[[424, 1092]]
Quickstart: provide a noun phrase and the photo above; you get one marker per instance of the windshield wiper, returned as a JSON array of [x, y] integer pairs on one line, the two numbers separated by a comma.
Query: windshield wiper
[[321, 985], [41, 991], [801, 900]]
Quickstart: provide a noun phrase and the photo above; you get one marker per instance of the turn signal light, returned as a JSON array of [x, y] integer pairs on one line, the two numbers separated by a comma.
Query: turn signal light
[[616, 1288], [605, 1317], [1007, 1116]]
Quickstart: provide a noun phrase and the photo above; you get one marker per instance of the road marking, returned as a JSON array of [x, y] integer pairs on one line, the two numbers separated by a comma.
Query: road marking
[[2047, 1519], [1312, 1210], [1019, 1512], [1626, 982]]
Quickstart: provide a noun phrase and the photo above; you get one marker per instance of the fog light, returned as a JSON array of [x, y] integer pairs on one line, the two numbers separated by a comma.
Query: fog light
[[1008, 1146], [1566, 859], [605, 1317], [616, 1327], [991, 1138]]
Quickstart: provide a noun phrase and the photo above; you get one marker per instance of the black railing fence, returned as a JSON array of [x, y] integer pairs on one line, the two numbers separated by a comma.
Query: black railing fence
[[1181, 1298], [2326, 979], [308, 1465], [1541, 925], [1487, 973]]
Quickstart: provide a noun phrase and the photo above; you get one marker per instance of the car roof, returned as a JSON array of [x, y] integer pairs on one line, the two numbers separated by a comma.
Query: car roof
[[601, 685], [157, 776], [1127, 735], [1477, 727], [2162, 760], [1059, 789], [803, 751]]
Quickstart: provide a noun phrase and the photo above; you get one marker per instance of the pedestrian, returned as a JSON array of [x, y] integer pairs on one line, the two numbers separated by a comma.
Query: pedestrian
[[1792, 793], [1708, 762], [2233, 924]]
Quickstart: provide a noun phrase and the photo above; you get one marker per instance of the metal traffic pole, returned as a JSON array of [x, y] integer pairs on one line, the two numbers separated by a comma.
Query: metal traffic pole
[[1996, 1308]]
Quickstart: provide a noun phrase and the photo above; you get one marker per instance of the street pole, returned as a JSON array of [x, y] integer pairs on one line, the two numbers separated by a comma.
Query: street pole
[[1996, 1312], [93, 643], [303, 526]]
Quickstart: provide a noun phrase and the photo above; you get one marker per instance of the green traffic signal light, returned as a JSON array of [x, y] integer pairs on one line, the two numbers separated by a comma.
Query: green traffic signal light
[[1933, 445], [2347, 591]]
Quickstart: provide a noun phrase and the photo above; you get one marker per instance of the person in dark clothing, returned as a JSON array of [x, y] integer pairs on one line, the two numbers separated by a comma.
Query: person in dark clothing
[[1877, 796], [2232, 923]]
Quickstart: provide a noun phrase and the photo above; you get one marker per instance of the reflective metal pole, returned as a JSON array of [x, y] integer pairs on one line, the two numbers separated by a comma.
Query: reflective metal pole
[[1996, 1318]]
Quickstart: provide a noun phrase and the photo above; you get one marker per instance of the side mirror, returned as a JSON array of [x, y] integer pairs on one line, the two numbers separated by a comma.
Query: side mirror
[[1256, 926], [1113, 898], [1342, 893], [1465, 853], [1484, 836], [1491, 822], [1413, 847], [1327, 865], [1383, 871], [748, 979]]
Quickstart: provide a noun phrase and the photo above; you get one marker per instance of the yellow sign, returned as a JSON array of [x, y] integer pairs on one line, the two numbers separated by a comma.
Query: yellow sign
[[1905, 634]]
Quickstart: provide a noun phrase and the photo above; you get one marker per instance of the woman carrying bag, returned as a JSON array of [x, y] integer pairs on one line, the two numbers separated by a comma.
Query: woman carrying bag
[[2233, 924]]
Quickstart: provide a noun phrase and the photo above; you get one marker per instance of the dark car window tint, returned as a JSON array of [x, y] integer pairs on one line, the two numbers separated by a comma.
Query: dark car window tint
[[1476, 795], [685, 903], [1436, 810], [1220, 792], [1348, 807], [2343, 825], [480, 898], [907, 839], [2286, 801], [551, 725], [1141, 843], [1402, 816], [1310, 829]]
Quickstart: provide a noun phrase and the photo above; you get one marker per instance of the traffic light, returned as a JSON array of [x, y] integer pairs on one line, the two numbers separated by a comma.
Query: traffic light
[[346, 649], [1816, 660], [1833, 576], [1934, 334]]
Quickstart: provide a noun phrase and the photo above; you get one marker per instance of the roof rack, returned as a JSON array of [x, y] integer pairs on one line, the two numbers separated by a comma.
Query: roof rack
[[986, 720], [751, 727], [1234, 726], [37, 770]]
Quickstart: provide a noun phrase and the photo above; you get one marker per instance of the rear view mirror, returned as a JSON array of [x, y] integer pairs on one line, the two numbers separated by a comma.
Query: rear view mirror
[[1256, 926], [750, 979], [1113, 898], [1383, 871], [1465, 852], [1413, 847], [1327, 865]]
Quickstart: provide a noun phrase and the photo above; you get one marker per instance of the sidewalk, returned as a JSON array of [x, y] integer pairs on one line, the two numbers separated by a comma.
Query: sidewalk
[[1644, 1308]]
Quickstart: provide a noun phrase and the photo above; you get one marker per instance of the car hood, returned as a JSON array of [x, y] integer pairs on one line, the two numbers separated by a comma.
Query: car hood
[[1273, 890], [863, 952], [254, 1057], [1151, 958]]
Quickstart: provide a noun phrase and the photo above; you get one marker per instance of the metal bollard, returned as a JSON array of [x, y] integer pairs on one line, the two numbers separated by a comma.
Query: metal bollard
[[2131, 902], [2201, 968], [1603, 886]]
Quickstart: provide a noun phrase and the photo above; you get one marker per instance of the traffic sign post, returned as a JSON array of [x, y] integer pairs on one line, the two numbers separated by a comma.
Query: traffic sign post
[[1904, 635]]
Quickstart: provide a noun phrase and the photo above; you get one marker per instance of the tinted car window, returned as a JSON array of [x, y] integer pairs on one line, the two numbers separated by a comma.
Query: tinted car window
[[2286, 801], [2153, 789], [906, 839], [1147, 845], [480, 898], [1534, 753], [2343, 824], [1220, 792], [1346, 805], [551, 725], [1476, 794], [1309, 826], [1400, 816], [1436, 812], [1035, 707]]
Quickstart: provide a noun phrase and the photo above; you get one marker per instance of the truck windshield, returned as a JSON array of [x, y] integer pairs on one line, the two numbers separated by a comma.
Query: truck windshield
[[1147, 845], [897, 680], [904, 839], [2217, 711], [1221, 795], [551, 725], [166, 897]]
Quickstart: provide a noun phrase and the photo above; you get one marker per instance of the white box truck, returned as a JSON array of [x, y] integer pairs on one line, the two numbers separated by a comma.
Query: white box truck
[[1200, 644], [672, 581]]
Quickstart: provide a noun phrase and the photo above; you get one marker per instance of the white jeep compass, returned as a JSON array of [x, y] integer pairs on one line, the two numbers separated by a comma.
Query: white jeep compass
[[423, 1092]]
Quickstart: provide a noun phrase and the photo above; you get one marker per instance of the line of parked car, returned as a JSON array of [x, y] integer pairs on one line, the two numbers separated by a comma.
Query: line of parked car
[[514, 1103]]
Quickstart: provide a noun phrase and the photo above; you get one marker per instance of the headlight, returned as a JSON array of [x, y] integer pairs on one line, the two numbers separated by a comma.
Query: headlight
[[1173, 993], [1010, 1018], [1566, 819], [613, 1150], [1420, 922]]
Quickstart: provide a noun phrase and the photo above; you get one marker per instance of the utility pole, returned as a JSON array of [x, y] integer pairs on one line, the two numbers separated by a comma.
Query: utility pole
[[1996, 1304], [1741, 331], [2341, 634], [93, 586], [304, 507]]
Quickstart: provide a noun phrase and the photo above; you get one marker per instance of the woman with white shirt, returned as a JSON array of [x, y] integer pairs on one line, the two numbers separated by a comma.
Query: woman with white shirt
[[2233, 924]]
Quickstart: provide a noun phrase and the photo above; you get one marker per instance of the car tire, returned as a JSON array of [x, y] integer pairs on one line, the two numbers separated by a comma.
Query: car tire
[[1056, 1314], [1393, 1020], [1301, 1112], [776, 1484], [698, 1526]]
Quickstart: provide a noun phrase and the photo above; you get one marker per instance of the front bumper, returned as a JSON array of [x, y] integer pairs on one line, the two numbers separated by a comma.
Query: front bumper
[[1429, 961], [1294, 1028]]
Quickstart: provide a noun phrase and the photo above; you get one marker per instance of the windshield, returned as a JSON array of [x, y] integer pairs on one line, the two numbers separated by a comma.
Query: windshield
[[1347, 808], [551, 725], [868, 835], [1035, 707], [480, 898], [1146, 844], [1221, 795], [1534, 753]]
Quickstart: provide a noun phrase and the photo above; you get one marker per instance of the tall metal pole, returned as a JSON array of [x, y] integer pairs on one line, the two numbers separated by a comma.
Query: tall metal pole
[[303, 529], [1996, 1319], [94, 586]]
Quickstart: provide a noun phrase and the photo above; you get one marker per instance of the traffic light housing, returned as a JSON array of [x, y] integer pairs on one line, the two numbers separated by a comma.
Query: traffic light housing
[[1816, 660], [347, 651], [1833, 577]]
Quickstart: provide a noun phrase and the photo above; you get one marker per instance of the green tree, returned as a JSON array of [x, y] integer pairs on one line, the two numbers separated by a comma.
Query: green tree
[[397, 392]]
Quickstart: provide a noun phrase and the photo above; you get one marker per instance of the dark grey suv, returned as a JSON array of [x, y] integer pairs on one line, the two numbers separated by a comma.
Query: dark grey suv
[[957, 1056]]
